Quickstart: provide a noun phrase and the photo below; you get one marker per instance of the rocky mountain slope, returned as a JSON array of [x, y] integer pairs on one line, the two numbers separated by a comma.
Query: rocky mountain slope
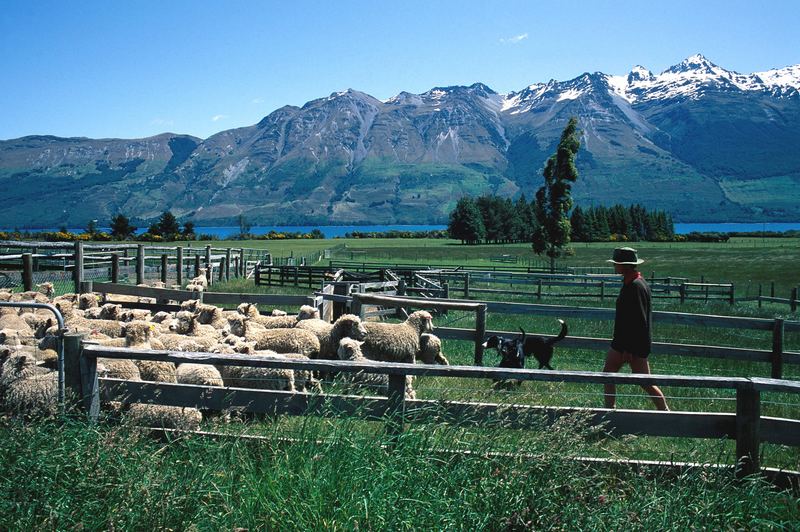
[[697, 140]]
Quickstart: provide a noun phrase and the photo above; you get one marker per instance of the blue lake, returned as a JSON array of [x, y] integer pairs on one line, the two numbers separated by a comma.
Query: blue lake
[[332, 231]]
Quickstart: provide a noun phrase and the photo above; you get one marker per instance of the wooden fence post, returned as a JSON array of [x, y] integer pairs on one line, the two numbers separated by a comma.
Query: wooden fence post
[[682, 292], [77, 272], [466, 285], [759, 295], [748, 431], [395, 406], [208, 258], [731, 298], [241, 271], [115, 267], [196, 264], [164, 266], [139, 264], [72, 365], [179, 259], [776, 358], [90, 387], [772, 289], [480, 332], [793, 299], [27, 272], [602, 290], [228, 264], [539, 289], [258, 275]]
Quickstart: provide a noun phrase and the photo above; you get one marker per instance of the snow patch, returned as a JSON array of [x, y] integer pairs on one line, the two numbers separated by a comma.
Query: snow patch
[[570, 94], [233, 171]]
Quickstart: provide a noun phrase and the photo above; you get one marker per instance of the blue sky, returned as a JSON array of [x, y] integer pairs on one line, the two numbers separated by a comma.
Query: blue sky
[[137, 68]]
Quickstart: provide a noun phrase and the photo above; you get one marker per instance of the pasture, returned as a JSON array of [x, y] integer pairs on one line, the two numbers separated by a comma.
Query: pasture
[[334, 473]]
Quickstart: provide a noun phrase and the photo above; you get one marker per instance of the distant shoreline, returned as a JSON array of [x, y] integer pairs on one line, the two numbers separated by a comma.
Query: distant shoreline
[[333, 231]]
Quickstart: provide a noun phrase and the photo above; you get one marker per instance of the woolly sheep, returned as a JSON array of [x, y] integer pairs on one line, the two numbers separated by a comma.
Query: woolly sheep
[[396, 342], [210, 315], [200, 374], [28, 389], [9, 319], [90, 300], [350, 349], [109, 311], [278, 340], [46, 288], [134, 314], [277, 321], [166, 417], [430, 350], [200, 280], [347, 326], [31, 295], [259, 378]]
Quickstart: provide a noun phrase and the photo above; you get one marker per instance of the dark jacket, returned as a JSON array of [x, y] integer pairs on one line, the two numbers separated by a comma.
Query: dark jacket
[[634, 319]]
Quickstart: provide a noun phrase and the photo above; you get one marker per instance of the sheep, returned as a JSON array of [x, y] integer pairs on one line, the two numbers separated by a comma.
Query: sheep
[[138, 335], [200, 374], [350, 349], [46, 288], [28, 389], [109, 311], [430, 350], [90, 300], [200, 281], [398, 342], [192, 287], [31, 295], [210, 315], [134, 314], [9, 319], [347, 326], [259, 378], [280, 321], [166, 417], [279, 340], [5, 295]]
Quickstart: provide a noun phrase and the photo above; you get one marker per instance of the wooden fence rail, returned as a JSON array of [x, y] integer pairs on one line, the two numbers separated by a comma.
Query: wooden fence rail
[[746, 425]]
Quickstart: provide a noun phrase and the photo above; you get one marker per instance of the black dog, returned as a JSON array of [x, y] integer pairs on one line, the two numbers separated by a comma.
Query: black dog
[[513, 351]]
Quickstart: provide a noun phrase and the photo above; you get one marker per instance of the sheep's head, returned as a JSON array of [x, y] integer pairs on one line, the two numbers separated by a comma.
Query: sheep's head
[[307, 312], [10, 337], [5, 296], [247, 309], [111, 311], [238, 325], [138, 332], [421, 320], [46, 288], [88, 301], [183, 323], [350, 326], [160, 317], [349, 349], [277, 312], [190, 304]]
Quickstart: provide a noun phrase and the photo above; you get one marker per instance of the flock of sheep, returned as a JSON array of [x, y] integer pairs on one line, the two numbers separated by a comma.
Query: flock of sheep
[[28, 380]]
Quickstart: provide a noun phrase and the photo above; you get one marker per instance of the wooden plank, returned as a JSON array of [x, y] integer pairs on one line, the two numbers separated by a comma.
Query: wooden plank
[[397, 302], [618, 422], [391, 368], [223, 298], [659, 348], [780, 431], [775, 385]]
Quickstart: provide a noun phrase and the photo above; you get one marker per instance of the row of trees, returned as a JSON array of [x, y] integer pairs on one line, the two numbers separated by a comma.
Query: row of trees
[[492, 219], [165, 228]]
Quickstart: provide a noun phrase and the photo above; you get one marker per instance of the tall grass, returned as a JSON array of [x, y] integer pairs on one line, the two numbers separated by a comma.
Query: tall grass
[[338, 477]]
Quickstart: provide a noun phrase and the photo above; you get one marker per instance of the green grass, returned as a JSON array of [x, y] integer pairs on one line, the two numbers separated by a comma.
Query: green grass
[[338, 477]]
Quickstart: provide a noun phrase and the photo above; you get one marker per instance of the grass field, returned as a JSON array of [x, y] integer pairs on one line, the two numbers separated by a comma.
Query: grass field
[[336, 475]]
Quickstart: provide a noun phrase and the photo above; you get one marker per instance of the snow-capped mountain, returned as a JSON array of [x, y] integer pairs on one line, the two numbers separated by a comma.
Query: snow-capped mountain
[[698, 140]]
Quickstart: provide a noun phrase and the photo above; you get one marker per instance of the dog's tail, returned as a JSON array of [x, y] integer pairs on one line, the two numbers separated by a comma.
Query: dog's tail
[[561, 335]]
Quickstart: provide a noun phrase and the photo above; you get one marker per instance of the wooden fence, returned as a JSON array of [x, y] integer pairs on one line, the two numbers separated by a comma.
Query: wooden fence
[[776, 356], [175, 264], [746, 426]]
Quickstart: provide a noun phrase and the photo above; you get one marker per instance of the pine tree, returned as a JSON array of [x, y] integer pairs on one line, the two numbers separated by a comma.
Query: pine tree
[[466, 223], [554, 198], [580, 229], [121, 228]]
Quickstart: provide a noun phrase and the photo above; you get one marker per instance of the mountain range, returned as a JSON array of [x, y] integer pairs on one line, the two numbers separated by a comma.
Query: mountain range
[[699, 141]]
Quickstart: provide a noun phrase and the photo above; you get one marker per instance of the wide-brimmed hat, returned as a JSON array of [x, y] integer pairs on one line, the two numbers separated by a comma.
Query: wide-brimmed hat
[[625, 256]]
